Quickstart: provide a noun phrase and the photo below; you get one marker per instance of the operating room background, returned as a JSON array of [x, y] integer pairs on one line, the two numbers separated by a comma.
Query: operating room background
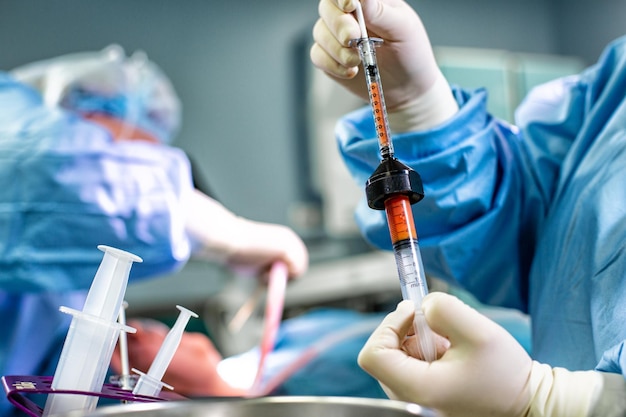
[[232, 63], [241, 68]]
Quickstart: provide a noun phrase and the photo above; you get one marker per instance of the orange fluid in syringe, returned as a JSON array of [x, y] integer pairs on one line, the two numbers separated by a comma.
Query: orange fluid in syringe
[[400, 219], [378, 110], [406, 250]]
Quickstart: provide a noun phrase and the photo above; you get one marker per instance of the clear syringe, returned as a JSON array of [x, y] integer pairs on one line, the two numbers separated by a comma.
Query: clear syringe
[[394, 187], [91, 338], [150, 383]]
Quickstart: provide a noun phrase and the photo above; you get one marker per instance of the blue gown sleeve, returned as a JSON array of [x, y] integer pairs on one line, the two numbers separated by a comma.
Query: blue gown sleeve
[[486, 190], [614, 360], [67, 187]]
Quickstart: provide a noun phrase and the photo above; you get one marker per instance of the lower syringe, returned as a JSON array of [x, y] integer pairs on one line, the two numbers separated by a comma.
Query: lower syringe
[[410, 269]]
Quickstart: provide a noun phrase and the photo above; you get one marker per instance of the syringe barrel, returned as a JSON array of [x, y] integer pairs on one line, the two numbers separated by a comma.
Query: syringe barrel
[[83, 363], [367, 51], [410, 268], [406, 249], [410, 271], [414, 288], [109, 284]]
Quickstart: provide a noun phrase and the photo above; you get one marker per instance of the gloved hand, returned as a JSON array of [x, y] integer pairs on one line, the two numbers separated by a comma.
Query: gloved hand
[[484, 371], [193, 369], [241, 244], [416, 94]]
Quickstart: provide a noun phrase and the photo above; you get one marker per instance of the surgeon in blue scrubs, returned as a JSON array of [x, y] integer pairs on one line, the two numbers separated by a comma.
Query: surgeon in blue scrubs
[[85, 159], [529, 216]]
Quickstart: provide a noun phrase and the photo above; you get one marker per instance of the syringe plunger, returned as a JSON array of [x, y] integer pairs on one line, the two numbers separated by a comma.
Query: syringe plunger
[[150, 382]]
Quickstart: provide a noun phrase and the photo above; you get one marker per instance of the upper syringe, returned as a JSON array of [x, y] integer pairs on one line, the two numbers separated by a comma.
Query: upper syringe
[[367, 51]]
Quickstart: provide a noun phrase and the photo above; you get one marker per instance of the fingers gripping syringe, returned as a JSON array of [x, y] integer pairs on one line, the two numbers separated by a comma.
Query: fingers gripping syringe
[[393, 187]]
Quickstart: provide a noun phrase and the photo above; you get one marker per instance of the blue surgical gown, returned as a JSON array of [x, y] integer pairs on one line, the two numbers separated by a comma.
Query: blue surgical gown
[[65, 188], [531, 216]]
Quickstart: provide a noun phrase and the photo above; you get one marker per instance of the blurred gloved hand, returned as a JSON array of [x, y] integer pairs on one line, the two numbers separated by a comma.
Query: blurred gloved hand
[[193, 369], [483, 372], [244, 245], [416, 94]]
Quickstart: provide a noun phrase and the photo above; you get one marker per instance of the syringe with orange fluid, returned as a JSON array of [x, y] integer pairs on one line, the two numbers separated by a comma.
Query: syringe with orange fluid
[[393, 187]]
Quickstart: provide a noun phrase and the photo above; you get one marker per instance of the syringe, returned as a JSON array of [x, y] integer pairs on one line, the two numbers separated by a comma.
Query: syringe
[[150, 383], [91, 338], [393, 187]]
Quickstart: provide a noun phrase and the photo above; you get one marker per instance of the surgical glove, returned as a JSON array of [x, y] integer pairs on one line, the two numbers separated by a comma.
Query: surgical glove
[[416, 94], [483, 372], [243, 245]]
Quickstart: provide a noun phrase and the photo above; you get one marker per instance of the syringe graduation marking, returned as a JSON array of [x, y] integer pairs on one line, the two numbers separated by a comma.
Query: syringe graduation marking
[[378, 109], [379, 116]]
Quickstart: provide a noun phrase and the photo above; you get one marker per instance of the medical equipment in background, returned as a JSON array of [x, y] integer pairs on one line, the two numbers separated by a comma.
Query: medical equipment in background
[[393, 187], [78, 381], [360, 282], [277, 286]]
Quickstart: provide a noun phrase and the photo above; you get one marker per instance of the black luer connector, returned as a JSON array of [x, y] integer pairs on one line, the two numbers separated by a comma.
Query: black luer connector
[[392, 177]]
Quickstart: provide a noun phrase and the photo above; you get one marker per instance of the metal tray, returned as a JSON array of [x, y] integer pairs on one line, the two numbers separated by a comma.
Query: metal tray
[[303, 406]]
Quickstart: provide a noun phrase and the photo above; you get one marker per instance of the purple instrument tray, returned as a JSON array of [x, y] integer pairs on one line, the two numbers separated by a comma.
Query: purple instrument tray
[[17, 385]]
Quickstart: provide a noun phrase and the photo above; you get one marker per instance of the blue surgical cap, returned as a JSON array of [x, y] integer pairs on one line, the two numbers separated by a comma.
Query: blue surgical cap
[[132, 89]]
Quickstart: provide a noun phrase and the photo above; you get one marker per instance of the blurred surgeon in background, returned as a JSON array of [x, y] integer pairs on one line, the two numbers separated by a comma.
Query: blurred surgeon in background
[[529, 216], [85, 159]]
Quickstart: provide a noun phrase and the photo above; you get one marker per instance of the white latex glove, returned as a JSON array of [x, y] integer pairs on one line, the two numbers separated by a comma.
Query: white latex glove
[[485, 372], [416, 94], [243, 245]]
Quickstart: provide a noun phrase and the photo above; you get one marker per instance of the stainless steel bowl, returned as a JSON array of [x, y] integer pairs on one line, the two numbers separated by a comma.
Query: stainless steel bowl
[[266, 407]]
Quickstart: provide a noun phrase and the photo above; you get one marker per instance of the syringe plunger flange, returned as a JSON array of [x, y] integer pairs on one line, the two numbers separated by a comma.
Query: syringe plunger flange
[[392, 177], [367, 49]]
